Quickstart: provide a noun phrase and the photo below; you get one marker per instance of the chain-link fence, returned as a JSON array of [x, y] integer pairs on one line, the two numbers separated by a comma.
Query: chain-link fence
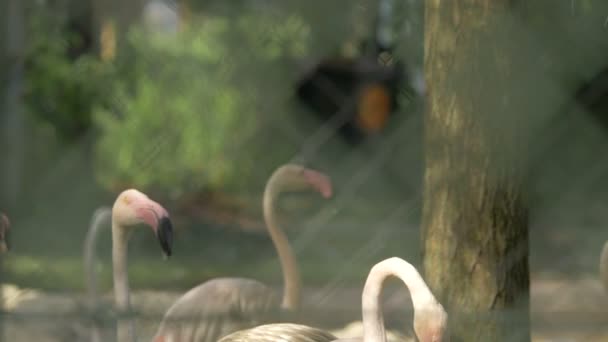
[[197, 104]]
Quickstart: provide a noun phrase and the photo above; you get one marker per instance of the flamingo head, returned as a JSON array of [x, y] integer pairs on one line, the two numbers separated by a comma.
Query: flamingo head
[[133, 208], [292, 177], [431, 324]]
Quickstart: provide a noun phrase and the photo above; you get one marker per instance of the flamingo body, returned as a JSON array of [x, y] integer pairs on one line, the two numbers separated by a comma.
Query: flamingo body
[[226, 305], [284, 332]]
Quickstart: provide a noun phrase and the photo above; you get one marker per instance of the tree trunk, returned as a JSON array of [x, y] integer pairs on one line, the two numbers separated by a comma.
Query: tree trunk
[[475, 218]]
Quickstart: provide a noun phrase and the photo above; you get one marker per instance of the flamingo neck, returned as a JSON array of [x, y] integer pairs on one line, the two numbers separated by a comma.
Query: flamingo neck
[[90, 260], [289, 266], [90, 253], [422, 298], [373, 320], [125, 326]]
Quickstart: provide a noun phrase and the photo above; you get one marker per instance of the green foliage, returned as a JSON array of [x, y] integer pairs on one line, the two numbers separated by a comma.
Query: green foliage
[[58, 90], [187, 107]]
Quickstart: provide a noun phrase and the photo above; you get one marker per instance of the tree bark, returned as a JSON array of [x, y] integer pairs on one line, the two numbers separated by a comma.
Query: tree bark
[[475, 217]]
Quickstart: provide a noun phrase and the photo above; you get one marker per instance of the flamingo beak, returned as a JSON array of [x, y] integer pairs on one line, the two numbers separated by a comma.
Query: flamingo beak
[[319, 182], [164, 233]]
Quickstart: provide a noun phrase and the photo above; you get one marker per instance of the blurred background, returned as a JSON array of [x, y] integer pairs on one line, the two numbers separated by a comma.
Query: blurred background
[[197, 102]]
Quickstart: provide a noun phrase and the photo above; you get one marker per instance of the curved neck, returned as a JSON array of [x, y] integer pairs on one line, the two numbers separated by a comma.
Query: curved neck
[[289, 266], [125, 326], [90, 260], [90, 253], [373, 322]]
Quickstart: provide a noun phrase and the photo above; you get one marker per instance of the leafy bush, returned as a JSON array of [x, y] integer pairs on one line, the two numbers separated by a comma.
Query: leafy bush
[[186, 107], [58, 90]]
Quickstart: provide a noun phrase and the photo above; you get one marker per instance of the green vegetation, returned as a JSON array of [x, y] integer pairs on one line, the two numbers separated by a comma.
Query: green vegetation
[[186, 106], [59, 90], [208, 112]]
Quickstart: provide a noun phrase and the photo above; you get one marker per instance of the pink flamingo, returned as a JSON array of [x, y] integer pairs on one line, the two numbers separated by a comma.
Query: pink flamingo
[[430, 319], [224, 305], [131, 209]]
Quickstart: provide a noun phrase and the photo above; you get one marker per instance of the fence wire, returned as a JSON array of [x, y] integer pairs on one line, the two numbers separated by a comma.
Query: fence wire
[[374, 213]]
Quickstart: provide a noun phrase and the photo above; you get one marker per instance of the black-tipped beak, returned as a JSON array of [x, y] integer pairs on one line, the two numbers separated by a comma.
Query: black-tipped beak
[[165, 235]]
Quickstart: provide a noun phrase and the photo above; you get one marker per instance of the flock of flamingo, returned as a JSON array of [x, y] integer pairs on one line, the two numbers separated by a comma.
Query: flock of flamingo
[[239, 309]]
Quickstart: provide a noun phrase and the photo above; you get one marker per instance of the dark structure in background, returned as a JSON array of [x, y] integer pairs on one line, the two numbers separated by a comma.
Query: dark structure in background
[[81, 29], [360, 94], [593, 96]]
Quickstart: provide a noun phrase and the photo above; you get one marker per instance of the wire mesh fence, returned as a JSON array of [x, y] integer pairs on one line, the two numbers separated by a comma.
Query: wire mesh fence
[[241, 63]]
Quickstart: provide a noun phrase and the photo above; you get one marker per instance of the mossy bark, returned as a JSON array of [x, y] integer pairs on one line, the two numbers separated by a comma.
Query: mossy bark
[[475, 217]]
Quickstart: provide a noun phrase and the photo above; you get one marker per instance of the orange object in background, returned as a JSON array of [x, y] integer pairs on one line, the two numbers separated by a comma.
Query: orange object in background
[[374, 108], [108, 40]]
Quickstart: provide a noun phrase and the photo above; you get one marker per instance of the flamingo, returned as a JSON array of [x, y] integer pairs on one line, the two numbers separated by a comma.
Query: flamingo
[[430, 319], [604, 266], [133, 208], [101, 216], [224, 305], [284, 332]]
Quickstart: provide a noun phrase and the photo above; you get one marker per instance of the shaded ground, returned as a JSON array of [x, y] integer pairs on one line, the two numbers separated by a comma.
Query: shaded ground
[[562, 310], [567, 300]]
